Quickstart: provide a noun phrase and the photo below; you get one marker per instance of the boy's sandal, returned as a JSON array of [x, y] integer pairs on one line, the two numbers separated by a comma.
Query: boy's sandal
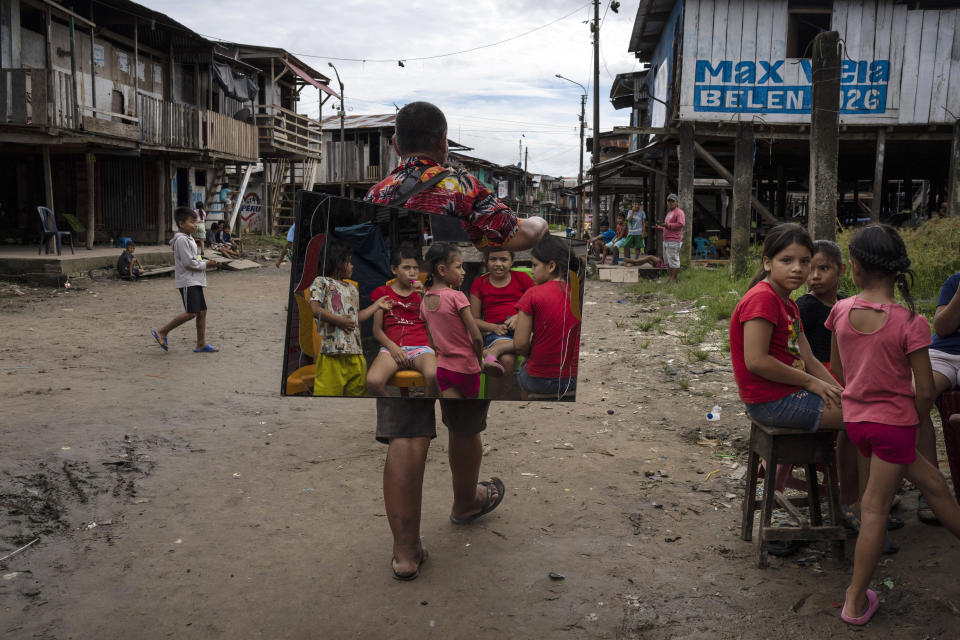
[[207, 348], [162, 343], [872, 605], [489, 504], [407, 577]]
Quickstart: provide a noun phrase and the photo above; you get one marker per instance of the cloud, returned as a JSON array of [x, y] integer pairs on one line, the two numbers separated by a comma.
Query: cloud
[[495, 97]]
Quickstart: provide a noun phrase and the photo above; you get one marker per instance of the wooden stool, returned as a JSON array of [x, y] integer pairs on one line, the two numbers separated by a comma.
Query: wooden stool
[[406, 378], [800, 448], [948, 404]]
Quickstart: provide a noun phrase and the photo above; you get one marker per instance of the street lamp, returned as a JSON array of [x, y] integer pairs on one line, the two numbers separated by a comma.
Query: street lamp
[[583, 106], [343, 141]]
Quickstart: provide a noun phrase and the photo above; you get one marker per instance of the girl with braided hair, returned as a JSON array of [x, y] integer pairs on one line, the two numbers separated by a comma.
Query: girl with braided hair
[[877, 346]]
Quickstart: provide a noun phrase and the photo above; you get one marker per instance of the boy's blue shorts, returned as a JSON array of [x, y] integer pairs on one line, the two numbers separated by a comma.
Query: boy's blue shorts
[[490, 337]]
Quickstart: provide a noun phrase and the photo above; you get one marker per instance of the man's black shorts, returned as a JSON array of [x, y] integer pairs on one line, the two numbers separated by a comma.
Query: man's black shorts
[[416, 418], [193, 300]]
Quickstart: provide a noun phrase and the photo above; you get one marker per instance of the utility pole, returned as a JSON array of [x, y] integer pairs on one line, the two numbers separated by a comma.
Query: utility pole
[[583, 126], [824, 139], [343, 141], [595, 194], [526, 156]]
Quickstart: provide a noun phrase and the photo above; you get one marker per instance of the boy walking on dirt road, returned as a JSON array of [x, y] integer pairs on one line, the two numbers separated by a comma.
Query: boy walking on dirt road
[[407, 425], [190, 271]]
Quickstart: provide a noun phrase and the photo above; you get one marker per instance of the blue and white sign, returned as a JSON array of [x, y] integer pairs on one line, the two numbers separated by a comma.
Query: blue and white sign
[[759, 87]]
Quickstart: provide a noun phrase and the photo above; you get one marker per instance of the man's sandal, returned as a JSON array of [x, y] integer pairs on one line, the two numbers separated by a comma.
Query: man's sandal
[[407, 577], [489, 504]]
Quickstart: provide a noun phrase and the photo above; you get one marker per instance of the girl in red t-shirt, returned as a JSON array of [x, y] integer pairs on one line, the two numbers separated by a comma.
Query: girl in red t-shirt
[[401, 332], [778, 377], [493, 299], [548, 332]]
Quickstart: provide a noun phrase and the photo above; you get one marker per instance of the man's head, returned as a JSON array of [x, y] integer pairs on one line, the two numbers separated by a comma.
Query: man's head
[[672, 201], [421, 130], [186, 220]]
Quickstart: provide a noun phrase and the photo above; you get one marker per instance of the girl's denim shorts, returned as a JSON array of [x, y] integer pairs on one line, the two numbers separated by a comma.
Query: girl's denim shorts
[[800, 410]]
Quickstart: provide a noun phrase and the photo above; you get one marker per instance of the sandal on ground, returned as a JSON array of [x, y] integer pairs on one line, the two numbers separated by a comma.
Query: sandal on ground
[[207, 348], [924, 513], [489, 504], [162, 343], [407, 577], [492, 367], [872, 605]]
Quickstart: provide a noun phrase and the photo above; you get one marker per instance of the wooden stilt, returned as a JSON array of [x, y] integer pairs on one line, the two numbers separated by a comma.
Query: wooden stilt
[[743, 178], [953, 186], [781, 209], [824, 136], [685, 191], [91, 217], [47, 178]]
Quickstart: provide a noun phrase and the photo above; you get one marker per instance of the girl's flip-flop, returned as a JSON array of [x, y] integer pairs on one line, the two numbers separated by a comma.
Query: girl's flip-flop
[[162, 343], [872, 606], [491, 367], [208, 348]]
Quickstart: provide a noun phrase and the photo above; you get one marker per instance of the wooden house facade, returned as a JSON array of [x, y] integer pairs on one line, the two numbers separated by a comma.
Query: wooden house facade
[[715, 65], [116, 114]]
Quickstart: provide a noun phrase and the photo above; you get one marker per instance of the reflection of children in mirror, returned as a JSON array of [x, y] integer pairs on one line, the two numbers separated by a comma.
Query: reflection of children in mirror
[[493, 297], [335, 302], [452, 328], [548, 332], [401, 332]]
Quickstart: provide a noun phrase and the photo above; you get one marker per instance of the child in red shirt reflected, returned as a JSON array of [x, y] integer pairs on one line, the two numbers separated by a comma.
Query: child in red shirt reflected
[[401, 331], [453, 331], [878, 348], [547, 331], [778, 377], [493, 299]]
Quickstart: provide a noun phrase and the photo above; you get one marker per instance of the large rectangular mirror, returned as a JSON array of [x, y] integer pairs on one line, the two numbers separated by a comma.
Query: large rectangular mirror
[[386, 301]]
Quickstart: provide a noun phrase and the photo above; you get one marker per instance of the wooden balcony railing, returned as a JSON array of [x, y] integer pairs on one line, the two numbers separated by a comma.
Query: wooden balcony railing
[[26, 98], [283, 131], [230, 136], [168, 124]]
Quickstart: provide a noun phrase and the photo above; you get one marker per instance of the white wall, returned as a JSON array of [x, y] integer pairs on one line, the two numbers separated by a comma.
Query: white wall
[[899, 65]]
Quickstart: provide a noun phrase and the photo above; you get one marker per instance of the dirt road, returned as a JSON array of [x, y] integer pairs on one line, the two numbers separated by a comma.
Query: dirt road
[[178, 495]]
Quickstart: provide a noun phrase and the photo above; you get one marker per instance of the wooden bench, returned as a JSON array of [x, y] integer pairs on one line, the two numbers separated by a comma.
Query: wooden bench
[[799, 448]]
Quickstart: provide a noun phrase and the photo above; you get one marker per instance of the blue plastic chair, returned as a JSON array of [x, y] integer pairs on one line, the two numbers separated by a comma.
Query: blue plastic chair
[[705, 249], [49, 223]]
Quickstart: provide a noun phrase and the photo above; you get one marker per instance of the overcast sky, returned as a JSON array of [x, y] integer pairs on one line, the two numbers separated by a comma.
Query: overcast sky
[[492, 97]]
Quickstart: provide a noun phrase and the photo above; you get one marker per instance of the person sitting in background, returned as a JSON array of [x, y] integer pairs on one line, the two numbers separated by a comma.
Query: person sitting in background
[[598, 242], [215, 241], [235, 245], [127, 264]]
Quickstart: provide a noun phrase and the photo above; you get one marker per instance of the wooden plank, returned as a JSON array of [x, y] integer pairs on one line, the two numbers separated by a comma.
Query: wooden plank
[[898, 32], [953, 90], [882, 29], [686, 156], [39, 103], [868, 24], [941, 68], [911, 65], [838, 21], [778, 39], [4, 79], [953, 189], [724, 173], [765, 30], [18, 94], [734, 32], [928, 54], [704, 35], [718, 50], [748, 32], [690, 21], [851, 37]]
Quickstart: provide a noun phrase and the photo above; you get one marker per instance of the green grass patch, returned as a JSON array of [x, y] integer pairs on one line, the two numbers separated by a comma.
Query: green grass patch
[[697, 355]]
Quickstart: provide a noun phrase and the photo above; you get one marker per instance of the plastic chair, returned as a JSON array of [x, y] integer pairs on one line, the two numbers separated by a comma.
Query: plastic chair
[[705, 249], [49, 223]]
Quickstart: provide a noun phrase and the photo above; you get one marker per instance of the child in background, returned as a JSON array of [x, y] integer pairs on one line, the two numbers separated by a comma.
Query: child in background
[[878, 346], [453, 331], [779, 379], [401, 331], [548, 332], [190, 278], [493, 297], [201, 234], [619, 239], [341, 368], [127, 264], [636, 230], [598, 242]]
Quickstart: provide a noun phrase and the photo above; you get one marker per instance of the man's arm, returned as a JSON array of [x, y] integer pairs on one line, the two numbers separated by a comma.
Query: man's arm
[[946, 320], [529, 232]]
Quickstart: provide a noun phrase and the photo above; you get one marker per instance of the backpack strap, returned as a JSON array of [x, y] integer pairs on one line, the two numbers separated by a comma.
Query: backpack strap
[[412, 186]]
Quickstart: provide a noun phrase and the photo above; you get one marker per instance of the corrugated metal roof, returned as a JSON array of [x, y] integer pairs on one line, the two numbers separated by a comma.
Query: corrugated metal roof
[[652, 16], [365, 121]]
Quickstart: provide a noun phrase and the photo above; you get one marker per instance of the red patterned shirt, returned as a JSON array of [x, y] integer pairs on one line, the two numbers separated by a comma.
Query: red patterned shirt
[[487, 220]]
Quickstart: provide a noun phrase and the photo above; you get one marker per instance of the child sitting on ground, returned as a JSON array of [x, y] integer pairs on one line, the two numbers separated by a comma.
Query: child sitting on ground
[[619, 239], [548, 332], [493, 299], [401, 331], [127, 264], [598, 242], [214, 242], [878, 346], [341, 368], [453, 331]]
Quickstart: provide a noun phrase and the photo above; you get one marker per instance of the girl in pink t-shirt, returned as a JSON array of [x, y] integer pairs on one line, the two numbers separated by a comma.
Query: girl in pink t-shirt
[[452, 328], [877, 347]]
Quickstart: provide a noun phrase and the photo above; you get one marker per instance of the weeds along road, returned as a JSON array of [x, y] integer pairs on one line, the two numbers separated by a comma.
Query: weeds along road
[[178, 495]]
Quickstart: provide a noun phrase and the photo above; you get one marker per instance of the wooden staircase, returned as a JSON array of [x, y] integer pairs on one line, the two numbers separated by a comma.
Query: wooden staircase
[[289, 177]]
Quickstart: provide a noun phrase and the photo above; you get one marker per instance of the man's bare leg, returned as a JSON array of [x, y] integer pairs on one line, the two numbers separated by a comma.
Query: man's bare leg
[[403, 497]]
